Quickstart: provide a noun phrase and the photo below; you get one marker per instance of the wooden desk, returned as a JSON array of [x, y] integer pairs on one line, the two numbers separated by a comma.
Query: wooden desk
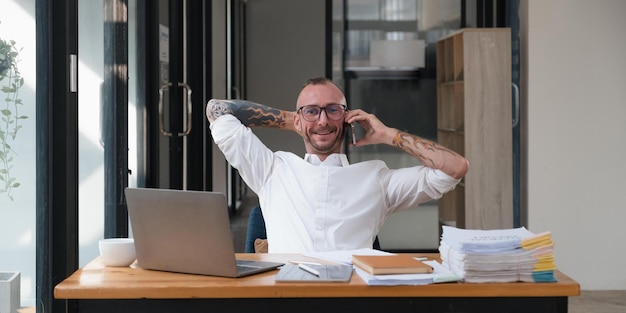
[[96, 288]]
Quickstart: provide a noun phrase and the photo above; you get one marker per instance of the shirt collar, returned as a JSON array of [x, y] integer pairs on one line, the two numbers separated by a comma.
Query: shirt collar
[[335, 159]]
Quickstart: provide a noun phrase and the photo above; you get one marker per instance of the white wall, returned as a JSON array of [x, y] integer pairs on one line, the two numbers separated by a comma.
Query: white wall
[[574, 99]]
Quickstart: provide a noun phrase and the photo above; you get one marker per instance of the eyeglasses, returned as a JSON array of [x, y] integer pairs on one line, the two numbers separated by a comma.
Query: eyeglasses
[[312, 113]]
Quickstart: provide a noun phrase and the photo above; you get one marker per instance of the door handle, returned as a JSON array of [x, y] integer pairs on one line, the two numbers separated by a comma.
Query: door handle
[[186, 111], [188, 106], [515, 105], [164, 132]]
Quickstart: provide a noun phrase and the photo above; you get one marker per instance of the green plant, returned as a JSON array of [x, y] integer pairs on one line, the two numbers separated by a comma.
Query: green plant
[[10, 81]]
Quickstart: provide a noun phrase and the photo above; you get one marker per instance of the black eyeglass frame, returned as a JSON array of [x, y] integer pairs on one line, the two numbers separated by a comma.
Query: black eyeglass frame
[[319, 114]]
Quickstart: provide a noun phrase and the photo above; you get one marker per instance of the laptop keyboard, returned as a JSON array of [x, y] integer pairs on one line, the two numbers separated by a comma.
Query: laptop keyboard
[[245, 266], [245, 269], [246, 263]]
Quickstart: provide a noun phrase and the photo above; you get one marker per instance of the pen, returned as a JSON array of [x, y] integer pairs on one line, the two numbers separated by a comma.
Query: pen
[[308, 269], [304, 262]]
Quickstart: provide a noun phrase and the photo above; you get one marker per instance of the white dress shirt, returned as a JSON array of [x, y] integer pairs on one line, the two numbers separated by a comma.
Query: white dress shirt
[[309, 205]]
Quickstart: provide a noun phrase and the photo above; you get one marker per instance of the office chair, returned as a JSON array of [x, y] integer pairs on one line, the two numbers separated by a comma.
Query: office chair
[[256, 230]]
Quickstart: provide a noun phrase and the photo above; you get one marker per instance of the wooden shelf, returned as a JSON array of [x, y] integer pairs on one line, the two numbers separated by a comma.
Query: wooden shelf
[[474, 119]]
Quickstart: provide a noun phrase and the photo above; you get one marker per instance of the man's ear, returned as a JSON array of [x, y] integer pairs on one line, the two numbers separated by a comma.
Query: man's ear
[[296, 123]]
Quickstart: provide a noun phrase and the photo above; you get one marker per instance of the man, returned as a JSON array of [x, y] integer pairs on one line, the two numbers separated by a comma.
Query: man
[[321, 202]]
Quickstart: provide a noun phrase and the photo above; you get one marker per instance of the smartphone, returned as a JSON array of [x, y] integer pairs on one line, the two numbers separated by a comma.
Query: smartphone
[[351, 126]]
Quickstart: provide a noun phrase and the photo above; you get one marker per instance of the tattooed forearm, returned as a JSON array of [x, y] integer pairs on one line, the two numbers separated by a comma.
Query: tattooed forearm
[[432, 154], [249, 113], [262, 116], [415, 146], [217, 108]]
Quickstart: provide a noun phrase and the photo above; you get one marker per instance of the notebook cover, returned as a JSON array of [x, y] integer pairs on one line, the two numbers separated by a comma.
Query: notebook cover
[[391, 264]]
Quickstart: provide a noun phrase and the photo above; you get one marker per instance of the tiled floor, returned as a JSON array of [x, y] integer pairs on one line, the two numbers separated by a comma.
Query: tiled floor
[[599, 301], [605, 301]]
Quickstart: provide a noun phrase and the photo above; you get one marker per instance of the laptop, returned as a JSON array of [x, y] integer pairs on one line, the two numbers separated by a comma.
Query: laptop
[[186, 232]]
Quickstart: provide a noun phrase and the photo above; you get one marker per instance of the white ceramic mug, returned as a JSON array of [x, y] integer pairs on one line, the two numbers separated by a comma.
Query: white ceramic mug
[[117, 251]]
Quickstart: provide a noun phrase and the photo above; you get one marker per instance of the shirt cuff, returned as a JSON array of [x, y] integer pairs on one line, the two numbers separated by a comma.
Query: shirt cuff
[[223, 127]]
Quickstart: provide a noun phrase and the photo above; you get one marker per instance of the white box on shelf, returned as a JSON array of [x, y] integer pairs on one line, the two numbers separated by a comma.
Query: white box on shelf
[[9, 292], [398, 53]]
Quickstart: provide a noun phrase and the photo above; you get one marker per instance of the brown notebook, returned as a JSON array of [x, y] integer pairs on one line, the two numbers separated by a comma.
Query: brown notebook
[[391, 264]]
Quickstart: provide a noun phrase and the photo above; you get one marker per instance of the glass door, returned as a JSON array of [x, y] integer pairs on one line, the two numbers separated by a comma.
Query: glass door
[[144, 126], [177, 134], [389, 70], [90, 140]]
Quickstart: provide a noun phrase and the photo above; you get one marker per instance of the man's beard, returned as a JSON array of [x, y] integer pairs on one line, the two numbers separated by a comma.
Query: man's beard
[[326, 147]]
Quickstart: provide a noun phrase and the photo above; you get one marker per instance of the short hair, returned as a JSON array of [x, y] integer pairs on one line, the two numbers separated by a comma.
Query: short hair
[[318, 81]]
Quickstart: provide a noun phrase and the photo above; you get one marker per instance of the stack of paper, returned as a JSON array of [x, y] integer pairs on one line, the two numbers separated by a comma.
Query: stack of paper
[[440, 274], [501, 255]]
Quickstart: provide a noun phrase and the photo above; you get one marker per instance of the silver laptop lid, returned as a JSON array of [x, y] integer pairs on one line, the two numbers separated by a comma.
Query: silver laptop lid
[[182, 231]]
